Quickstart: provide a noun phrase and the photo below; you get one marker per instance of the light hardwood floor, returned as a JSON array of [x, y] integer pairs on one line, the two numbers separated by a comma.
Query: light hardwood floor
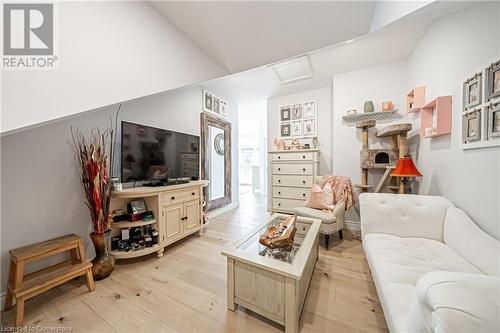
[[185, 291]]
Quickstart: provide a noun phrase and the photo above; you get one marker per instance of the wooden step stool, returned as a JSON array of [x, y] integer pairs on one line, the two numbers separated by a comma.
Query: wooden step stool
[[24, 287]]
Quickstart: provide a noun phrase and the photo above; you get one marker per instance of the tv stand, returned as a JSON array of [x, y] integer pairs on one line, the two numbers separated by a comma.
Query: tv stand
[[177, 209]]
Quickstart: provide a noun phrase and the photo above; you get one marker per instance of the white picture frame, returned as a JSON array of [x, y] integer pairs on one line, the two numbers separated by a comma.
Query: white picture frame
[[297, 112], [309, 110], [296, 128], [309, 127]]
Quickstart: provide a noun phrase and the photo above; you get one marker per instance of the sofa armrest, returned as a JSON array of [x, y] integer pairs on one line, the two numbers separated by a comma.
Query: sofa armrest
[[455, 302], [403, 215]]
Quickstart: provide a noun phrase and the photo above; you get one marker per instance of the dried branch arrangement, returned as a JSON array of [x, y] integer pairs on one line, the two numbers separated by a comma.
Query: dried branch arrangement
[[94, 160]]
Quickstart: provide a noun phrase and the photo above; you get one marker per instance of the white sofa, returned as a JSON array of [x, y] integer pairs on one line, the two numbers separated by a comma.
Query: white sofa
[[434, 269]]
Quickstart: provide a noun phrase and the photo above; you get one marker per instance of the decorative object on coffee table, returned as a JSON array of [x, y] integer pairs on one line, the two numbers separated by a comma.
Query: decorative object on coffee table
[[406, 169], [94, 157], [280, 235]]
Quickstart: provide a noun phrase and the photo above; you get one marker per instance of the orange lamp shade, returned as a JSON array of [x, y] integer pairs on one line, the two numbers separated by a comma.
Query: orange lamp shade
[[406, 168]]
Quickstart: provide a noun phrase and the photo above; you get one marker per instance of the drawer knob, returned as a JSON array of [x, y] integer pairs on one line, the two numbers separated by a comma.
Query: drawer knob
[[279, 192], [279, 180], [192, 193], [303, 156], [303, 169], [303, 228], [279, 169], [173, 198], [303, 182], [303, 194], [279, 204], [279, 157]]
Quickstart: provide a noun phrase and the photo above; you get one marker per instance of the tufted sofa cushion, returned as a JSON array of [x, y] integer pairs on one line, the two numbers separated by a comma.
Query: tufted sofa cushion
[[455, 302], [397, 263], [403, 215]]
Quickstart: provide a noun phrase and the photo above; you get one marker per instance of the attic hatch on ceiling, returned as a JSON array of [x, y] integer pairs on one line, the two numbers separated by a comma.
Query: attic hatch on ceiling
[[293, 70]]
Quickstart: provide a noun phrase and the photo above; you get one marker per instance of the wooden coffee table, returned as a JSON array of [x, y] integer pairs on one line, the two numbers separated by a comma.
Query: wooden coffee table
[[273, 283]]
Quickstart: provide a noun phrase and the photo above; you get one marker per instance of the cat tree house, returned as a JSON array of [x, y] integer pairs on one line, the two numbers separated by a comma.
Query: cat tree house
[[382, 158]]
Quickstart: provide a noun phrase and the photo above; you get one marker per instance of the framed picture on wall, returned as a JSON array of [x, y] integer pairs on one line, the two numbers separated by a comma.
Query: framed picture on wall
[[223, 108], [309, 127], [309, 110], [285, 130], [216, 105], [493, 120], [207, 101], [296, 128], [471, 126], [285, 113], [493, 81], [297, 112], [472, 91]]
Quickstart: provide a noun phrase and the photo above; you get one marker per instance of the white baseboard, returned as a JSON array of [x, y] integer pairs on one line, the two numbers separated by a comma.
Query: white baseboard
[[354, 227], [218, 211]]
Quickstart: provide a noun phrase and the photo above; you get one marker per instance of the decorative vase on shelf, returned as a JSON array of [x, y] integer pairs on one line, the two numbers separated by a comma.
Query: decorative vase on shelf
[[368, 107], [103, 263]]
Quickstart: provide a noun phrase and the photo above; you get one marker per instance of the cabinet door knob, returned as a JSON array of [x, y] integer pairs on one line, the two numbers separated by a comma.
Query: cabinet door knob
[[173, 198], [279, 192], [279, 180], [279, 204], [303, 228]]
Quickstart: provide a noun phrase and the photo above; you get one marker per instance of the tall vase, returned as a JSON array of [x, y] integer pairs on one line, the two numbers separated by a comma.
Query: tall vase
[[103, 263]]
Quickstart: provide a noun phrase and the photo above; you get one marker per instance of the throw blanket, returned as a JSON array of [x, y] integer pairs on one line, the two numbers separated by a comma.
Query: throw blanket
[[342, 190]]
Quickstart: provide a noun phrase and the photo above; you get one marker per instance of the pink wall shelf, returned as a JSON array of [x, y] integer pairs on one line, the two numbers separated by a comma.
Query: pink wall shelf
[[435, 118], [415, 99]]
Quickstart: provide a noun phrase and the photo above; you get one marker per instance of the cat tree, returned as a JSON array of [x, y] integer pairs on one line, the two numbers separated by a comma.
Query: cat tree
[[382, 158]]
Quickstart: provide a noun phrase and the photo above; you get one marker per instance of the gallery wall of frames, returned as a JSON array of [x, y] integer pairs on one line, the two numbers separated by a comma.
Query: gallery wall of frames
[[214, 105], [480, 120], [298, 120]]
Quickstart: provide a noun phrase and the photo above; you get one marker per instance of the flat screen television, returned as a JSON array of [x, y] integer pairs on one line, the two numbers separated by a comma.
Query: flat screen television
[[158, 155]]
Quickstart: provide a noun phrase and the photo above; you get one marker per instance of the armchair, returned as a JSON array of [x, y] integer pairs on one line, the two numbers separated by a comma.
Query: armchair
[[331, 221]]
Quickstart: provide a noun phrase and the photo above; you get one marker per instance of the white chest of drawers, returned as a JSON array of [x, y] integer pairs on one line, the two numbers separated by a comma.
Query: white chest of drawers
[[291, 175]]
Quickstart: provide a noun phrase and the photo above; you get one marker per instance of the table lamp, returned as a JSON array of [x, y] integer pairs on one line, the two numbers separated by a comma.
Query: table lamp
[[405, 169]]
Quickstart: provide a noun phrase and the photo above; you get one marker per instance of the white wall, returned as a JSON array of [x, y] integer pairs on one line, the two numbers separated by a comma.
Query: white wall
[[324, 115], [41, 196], [453, 48], [108, 52], [350, 91]]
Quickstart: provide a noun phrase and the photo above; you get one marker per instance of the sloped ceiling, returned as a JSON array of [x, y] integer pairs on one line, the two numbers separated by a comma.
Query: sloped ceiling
[[241, 35]]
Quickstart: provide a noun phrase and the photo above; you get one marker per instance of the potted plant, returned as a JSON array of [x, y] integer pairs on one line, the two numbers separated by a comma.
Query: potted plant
[[94, 158]]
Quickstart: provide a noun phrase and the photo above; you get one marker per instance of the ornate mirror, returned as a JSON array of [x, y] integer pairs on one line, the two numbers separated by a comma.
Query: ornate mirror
[[216, 160]]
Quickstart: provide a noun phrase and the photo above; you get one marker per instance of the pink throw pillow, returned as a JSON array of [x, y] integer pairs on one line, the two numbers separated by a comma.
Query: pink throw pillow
[[318, 199]]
